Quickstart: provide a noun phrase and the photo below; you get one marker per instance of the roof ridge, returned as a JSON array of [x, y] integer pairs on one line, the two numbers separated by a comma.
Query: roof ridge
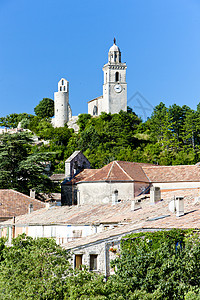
[[113, 162], [157, 166], [124, 171]]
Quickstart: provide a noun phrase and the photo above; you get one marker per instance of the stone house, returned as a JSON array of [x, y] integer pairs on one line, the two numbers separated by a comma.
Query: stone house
[[122, 181]]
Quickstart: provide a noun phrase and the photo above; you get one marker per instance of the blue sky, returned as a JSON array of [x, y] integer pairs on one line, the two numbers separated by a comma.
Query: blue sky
[[44, 40]]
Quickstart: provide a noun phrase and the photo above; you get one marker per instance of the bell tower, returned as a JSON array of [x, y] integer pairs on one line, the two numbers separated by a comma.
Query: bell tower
[[62, 109], [115, 86]]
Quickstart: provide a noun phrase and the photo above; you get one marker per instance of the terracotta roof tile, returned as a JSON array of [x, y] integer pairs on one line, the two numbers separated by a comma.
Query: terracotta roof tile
[[117, 171], [173, 173]]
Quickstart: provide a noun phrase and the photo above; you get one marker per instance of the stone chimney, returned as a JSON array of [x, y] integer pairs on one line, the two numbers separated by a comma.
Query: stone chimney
[[179, 205], [176, 206], [135, 204], [155, 194]]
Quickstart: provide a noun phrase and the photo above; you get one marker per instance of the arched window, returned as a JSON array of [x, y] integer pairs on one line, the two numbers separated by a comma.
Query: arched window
[[62, 82], [95, 110], [64, 88], [60, 88], [117, 76], [116, 192]]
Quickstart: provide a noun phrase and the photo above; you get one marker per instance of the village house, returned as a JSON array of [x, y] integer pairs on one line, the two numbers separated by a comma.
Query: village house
[[97, 250], [122, 181]]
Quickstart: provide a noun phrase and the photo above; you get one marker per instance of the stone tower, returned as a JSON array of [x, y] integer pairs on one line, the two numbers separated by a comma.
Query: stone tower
[[115, 86], [62, 109]]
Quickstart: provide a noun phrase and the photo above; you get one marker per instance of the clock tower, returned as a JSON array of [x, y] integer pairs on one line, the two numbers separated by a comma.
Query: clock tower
[[115, 86]]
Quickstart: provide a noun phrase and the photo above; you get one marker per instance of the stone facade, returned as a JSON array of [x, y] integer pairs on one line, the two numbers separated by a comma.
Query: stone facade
[[76, 163], [114, 96], [102, 192]]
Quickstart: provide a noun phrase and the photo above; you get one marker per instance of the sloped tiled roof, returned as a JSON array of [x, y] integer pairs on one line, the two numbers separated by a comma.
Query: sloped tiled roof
[[13, 203], [173, 173], [118, 171], [156, 217], [108, 213]]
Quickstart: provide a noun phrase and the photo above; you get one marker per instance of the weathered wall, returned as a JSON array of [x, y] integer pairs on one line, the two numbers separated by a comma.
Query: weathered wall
[[101, 192]]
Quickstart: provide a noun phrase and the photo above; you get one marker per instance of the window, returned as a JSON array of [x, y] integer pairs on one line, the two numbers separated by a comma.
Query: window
[[60, 88], [106, 77], [117, 76], [93, 262], [78, 261], [63, 88], [95, 110], [62, 82]]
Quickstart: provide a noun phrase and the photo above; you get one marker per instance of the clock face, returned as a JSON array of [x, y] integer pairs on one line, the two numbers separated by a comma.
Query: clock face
[[117, 88]]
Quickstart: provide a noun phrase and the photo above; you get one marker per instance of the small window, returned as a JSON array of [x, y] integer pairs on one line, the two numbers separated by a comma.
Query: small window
[[95, 110], [116, 192], [117, 76], [78, 261], [106, 77], [62, 82], [64, 88], [60, 88], [93, 262]]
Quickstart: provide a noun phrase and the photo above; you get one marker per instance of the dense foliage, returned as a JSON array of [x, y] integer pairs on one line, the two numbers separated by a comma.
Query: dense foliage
[[170, 136], [45, 109], [156, 266], [20, 167]]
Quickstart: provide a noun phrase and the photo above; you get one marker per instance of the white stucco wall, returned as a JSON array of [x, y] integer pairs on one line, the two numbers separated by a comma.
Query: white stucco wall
[[177, 185]]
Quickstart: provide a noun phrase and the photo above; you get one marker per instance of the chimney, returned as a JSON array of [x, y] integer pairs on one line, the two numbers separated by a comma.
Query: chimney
[[32, 193], [179, 205], [30, 208], [135, 204], [155, 194], [115, 197]]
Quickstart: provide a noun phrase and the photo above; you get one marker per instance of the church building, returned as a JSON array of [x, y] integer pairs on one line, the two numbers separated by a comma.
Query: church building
[[114, 96]]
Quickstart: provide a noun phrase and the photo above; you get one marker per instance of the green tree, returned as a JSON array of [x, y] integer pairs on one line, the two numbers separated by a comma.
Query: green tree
[[159, 265], [20, 168], [33, 269], [12, 120], [45, 109]]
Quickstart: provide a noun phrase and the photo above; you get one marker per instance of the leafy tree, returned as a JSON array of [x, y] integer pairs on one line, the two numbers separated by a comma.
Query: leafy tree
[[20, 168], [12, 120], [33, 269], [160, 265], [45, 109]]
